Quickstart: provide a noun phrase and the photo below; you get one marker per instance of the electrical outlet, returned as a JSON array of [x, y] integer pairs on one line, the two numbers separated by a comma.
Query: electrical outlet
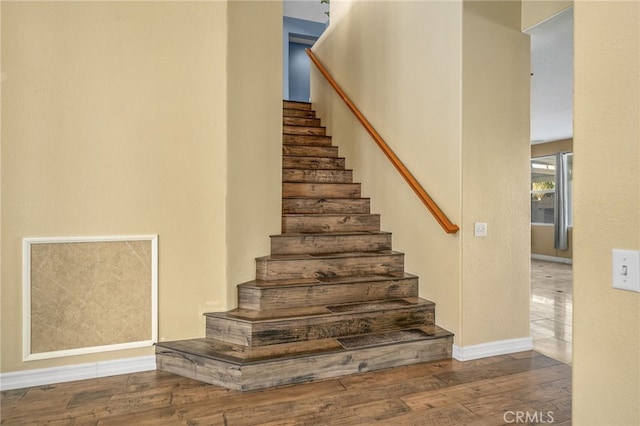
[[626, 269], [480, 229]]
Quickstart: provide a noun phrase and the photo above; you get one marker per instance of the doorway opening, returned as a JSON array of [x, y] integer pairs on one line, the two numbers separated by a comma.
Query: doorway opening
[[303, 23], [299, 67], [551, 185]]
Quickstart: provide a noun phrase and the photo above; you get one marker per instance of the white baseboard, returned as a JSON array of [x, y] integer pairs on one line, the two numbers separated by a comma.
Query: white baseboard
[[484, 350], [552, 258], [68, 373]]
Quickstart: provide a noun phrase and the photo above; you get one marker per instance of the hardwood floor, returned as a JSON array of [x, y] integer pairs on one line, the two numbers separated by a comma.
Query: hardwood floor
[[552, 309], [490, 391]]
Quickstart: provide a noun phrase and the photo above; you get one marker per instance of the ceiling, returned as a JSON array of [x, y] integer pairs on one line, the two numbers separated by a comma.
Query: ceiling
[[309, 10], [552, 79]]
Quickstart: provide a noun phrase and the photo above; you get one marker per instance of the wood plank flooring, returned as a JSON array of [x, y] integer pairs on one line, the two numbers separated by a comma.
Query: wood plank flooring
[[490, 391]]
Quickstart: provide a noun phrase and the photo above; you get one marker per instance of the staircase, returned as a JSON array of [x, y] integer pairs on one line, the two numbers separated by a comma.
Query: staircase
[[331, 300]]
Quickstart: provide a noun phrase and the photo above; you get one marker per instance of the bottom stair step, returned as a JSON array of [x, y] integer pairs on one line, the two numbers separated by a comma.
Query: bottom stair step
[[243, 368]]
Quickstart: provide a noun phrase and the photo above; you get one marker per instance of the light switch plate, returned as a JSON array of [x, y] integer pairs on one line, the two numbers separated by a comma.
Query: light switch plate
[[626, 269]]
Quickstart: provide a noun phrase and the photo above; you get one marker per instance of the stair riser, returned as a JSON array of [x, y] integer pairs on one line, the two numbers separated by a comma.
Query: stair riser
[[293, 162], [303, 113], [277, 269], [325, 294], [312, 140], [296, 105], [301, 370], [320, 190], [338, 223], [318, 176], [199, 368], [310, 151], [303, 329], [304, 130], [326, 206], [301, 121], [321, 244]]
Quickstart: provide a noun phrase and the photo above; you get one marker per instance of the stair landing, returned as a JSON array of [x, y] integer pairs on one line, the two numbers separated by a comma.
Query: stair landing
[[245, 368]]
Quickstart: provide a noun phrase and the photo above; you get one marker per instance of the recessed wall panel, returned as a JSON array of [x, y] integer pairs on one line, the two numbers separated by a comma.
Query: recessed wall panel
[[87, 295]]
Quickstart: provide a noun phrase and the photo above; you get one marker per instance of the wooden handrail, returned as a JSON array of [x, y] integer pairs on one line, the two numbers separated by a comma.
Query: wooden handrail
[[442, 219]]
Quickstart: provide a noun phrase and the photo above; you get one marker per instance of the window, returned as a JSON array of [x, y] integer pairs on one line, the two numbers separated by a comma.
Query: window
[[543, 188]]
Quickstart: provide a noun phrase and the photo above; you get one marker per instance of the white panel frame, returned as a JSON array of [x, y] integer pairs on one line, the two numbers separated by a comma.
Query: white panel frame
[[26, 296]]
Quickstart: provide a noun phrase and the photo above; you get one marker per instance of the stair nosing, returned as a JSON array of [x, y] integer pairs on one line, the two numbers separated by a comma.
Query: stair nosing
[[307, 156], [230, 316], [310, 156], [284, 133], [323, 183], [327, 198], [363, 279], [343, 255], [313, 170], [329, 234], [327, 215], [302, 125]]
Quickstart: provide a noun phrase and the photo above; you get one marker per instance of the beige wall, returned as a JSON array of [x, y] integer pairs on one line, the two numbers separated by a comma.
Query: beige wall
[[606, 333], [254, 117], [495, 173], [542, 238], [413, 100], [403, 66], [116, 120]]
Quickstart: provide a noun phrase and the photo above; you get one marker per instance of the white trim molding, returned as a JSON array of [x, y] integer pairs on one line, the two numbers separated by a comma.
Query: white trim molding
[[484, 350], [27, 355], [47, 376]]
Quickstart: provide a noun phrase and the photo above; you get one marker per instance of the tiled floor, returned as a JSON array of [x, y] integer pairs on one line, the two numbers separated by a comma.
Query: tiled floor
[[552, 309]]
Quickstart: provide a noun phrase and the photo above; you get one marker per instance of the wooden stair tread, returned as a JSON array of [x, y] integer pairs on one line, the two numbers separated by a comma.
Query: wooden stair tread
[[330, 242], [301, 265], [328, 215], [337, 234], [297, 175], [322, 281], [290, 257], [293, 129], [307, 312], [264, 295], [323, 199], [321, 189], [300, 150], [296, 205], [301, 121], [324, 223], [320, 185], [292, 112], [244, 355], [296, 105], [328, 163], [309, 140]]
